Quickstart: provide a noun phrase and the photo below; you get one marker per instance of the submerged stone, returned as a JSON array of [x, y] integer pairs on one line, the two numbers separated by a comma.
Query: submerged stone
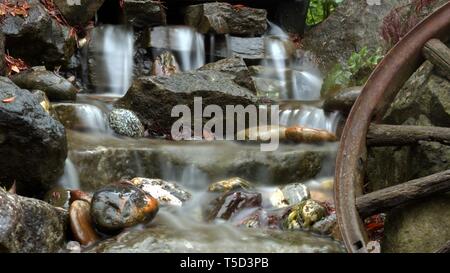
[[229, 204], [232, 184]]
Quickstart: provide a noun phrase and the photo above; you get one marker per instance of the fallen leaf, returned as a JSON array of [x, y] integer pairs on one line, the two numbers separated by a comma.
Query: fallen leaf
[[9, 100]]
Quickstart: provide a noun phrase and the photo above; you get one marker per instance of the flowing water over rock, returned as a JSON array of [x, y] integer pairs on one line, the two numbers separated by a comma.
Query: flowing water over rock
[[111, 65], [186, 44], [98, 157]]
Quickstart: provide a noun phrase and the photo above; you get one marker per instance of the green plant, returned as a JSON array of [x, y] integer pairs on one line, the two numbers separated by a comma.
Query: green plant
[[353, 72], [319, 10]]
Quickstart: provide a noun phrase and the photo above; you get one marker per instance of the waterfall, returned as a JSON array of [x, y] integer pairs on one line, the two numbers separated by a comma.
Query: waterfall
[[70, 179], [311, 117], [92, 118], [184, 42], [112, 50]]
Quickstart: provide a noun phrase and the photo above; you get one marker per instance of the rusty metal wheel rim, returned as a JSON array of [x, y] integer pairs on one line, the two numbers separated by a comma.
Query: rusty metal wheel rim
[[379, 91]]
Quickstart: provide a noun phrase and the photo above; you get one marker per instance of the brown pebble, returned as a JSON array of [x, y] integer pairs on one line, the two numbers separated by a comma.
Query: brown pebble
[[81, 224]]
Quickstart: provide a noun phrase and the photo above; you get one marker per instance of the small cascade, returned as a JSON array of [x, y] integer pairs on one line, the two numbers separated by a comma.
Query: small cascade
[[184, 42], [111, 49], [92, 118], [70, 179], [187, 175], [311, 117]]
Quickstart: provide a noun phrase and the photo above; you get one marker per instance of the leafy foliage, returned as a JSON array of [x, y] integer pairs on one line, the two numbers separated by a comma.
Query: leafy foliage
[[354, 72], [319, 10]]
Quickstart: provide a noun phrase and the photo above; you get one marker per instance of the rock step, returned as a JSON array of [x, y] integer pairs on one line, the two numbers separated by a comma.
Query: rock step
[[100, 161]]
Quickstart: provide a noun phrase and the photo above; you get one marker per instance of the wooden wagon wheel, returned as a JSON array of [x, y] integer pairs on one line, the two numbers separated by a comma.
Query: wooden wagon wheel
[[352, 205]]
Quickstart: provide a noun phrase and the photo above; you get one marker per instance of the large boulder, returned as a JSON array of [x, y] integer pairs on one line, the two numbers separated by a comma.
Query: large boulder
[[144, 13], [53, 85], [223, 18], [30, 225], [78, 13], [153, 98], [38, 38], [33, 145], [352, 26]]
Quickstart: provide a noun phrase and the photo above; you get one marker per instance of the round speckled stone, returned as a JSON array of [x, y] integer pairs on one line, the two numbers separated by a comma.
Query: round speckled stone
[[125, 122]]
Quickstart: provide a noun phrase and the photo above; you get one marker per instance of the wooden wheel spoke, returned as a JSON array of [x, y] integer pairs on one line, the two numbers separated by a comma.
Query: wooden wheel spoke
[[388, 198], [439, 55], [398, 135]]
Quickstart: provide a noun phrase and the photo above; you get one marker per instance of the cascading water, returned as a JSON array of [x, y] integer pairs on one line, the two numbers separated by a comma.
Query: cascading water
[[92, 118], [112, 67], [311, 117], [70, 179], [184, 42]]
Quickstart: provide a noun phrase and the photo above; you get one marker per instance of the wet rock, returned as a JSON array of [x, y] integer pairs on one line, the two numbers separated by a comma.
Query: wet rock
[[232, 184], [223, 18], [55, 87], [295, 193], [271, 218], [418, 228], [33, 145], [144, 13], [343, 101], [163, 93], [81, 224], [229, 204], [235, 66], [125, 122], [165, 65], [167, 193], [2, 55], [277, 199], [262, 134], [30, 225], [58, 197], [82, 116], [78, 13], [326, 226], [250, 49], [44, 102], [304, 215], [73, 247], [122, 205], [38, 38], [302, 134]]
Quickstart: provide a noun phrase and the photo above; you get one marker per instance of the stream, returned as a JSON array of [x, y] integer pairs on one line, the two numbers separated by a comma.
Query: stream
[[98, 156]]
